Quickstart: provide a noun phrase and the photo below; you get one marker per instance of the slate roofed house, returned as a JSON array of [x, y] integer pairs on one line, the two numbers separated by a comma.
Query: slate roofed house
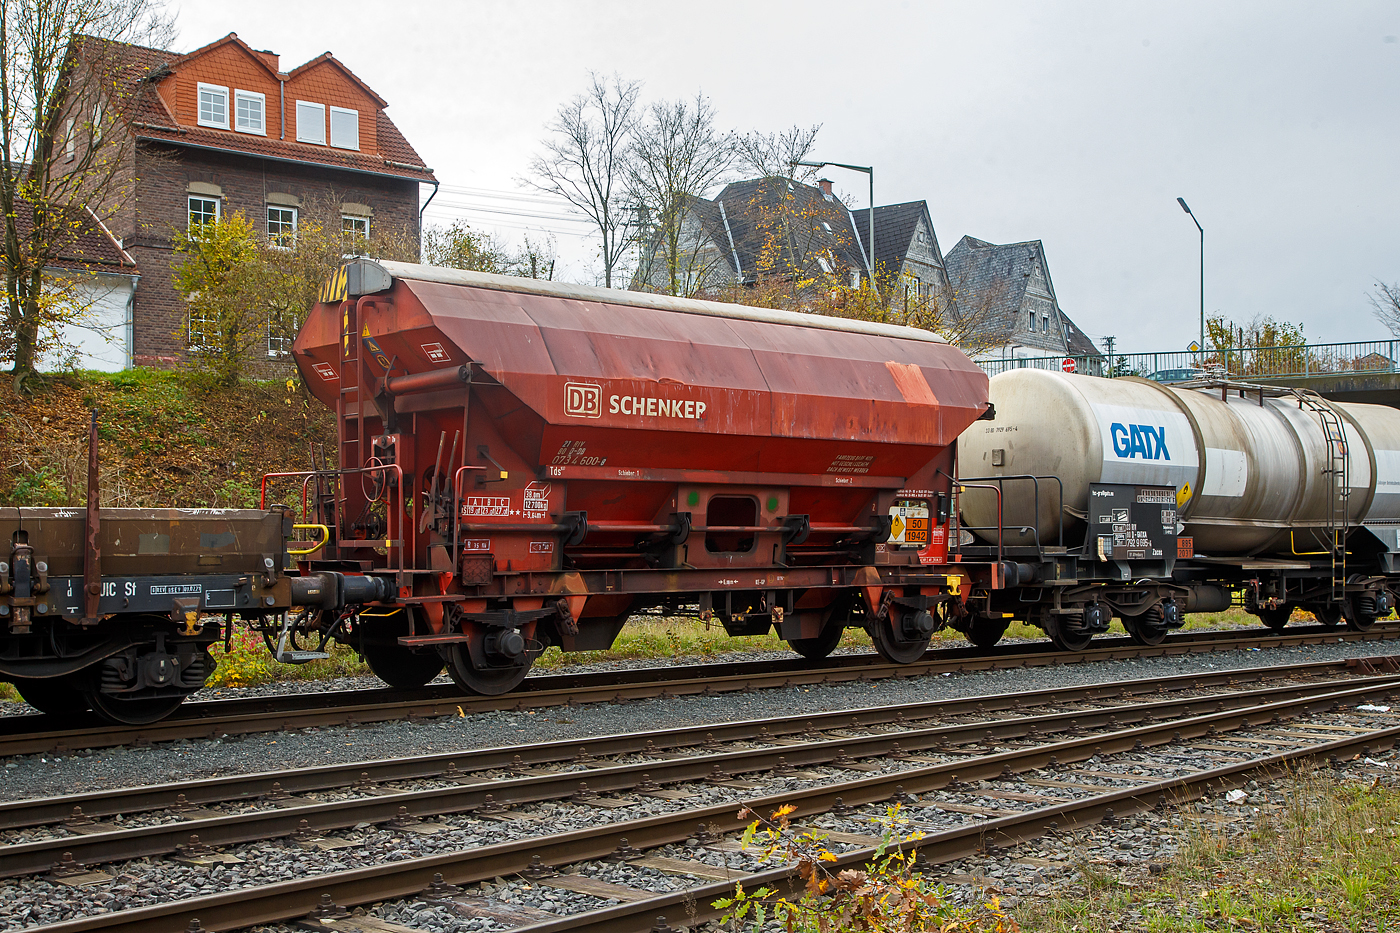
[[757, 228], [1007, 289], [224, 128], [907, 257], [773, 226]]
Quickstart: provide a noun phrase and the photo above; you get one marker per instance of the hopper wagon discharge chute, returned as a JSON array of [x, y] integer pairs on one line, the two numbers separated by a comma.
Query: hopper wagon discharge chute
[[1124, 497], [527, 463]]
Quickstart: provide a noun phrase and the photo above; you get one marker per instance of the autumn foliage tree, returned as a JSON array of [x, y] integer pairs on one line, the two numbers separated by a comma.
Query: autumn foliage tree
[[61, 146], [247, 295]]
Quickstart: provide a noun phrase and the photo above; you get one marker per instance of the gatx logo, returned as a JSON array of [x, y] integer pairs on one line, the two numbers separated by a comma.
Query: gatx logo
[[583, 400], [1139, 441]]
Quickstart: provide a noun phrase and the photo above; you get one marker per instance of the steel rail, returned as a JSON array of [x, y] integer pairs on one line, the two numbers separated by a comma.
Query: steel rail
[[285, 818], [270, 903], [96, 804], [696, 904], [281, 901], [215, 718]]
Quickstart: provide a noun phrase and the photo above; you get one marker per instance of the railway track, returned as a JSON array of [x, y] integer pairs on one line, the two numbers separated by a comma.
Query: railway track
[[27, 735], [974, 772]]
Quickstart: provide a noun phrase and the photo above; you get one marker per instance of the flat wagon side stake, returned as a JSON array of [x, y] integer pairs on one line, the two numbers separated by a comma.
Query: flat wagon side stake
[[92, 548]]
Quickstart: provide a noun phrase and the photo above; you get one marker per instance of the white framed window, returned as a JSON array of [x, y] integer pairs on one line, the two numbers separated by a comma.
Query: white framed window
[[345, 128], [202, 327], [822, 261], [282, 225], [70, 145], [203, 210], [248, 110], [1044, 325], [311, 123], [1032, 316], [353, 227], [213, 105], [278, 344], [98, 115]]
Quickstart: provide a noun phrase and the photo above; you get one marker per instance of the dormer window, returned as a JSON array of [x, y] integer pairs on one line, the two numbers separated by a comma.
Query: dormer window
[[345, 128], [249, 107], [213, 106], [311, 123]]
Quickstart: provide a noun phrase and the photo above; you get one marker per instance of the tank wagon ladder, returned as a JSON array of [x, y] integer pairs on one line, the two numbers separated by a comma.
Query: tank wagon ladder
[[1337, 468]]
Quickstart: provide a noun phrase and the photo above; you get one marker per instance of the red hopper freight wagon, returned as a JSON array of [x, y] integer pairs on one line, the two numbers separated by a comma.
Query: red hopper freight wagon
[[528, 463]]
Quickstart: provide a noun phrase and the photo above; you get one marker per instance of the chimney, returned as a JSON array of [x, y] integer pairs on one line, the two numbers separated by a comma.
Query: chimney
[[270, 58], [826, 186]]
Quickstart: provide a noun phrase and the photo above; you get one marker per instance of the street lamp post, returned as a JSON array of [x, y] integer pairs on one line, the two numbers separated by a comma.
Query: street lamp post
[[869, 170], [1182, 202]]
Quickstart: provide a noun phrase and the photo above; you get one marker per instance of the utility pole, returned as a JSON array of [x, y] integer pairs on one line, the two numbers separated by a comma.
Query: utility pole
[[1108, 343], [1182, 202]]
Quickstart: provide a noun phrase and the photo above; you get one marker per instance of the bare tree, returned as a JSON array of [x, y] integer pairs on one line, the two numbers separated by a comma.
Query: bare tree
[[62, 88], [677, 155], [772, 154], [970, 320], [585, 160], [1385, 301], [460, 247]]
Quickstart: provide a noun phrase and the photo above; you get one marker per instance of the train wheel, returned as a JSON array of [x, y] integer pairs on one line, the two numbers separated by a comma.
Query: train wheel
[[1142, 631], [57, 697], [402, 667], [1329, 614], [986, 632], [495, 661], [134, 710], [903, 637], [814, 649], [1363, 612], [1065, 638], [1275, 619]]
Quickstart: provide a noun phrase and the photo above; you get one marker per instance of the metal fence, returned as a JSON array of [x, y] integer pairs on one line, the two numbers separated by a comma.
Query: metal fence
[[1375, 356]]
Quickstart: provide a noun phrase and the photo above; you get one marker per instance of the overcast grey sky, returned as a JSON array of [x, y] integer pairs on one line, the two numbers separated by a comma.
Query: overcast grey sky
[[1075, 123]]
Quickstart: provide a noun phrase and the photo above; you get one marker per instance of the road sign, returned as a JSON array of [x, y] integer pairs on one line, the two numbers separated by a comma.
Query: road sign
[[1067, 365], [1193, 346]]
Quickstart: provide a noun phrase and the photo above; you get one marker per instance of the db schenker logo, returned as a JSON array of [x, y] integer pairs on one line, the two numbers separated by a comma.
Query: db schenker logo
[[583, 400]]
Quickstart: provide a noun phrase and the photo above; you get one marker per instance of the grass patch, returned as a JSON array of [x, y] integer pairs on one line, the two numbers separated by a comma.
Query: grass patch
[[648, 638], [1327, 859], [166, 439]]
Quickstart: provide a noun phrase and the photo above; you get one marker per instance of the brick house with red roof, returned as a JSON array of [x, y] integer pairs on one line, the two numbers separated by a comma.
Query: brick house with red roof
[[224, 129]]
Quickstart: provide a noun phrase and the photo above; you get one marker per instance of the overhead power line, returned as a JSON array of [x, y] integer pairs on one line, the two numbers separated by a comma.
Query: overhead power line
[[465, 206]]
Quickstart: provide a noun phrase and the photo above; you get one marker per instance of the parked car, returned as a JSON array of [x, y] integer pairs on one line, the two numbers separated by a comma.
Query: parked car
[[1175, 375]]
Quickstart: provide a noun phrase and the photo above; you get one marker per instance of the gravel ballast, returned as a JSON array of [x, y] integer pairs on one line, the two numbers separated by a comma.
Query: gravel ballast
[[49, 775]]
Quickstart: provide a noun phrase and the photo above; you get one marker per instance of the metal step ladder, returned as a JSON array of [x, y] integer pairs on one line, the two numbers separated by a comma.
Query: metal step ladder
[[1337, 469]]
